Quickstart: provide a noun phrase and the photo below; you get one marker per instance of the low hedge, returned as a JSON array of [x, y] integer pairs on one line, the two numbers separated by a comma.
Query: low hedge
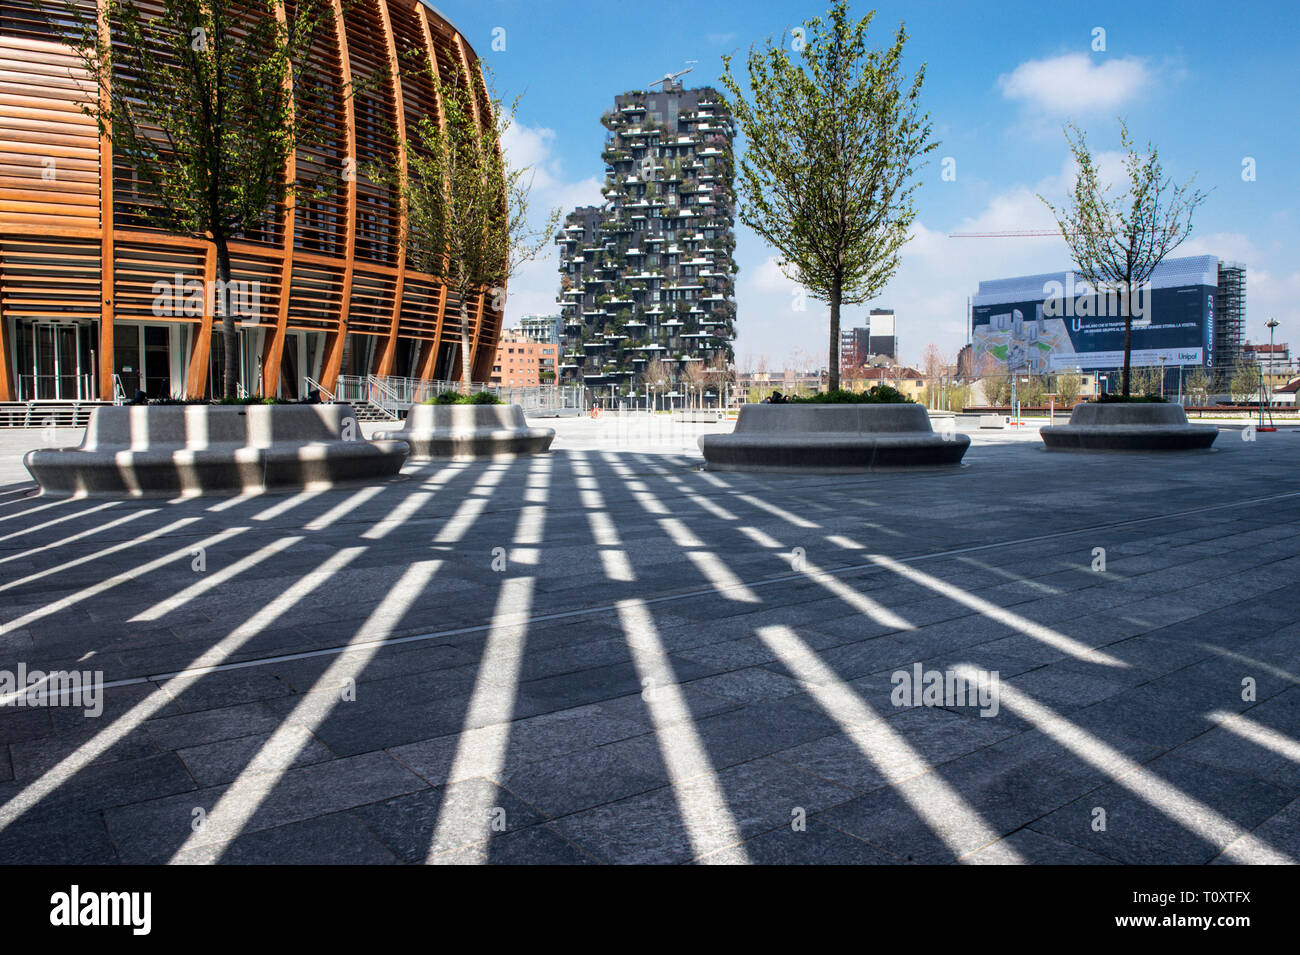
[[1131, 399], [879, 395], [457, 398], [255, 400]]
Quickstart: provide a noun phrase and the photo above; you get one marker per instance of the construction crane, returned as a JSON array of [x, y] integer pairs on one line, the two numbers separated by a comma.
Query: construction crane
[[1021, 234], [669, 77]]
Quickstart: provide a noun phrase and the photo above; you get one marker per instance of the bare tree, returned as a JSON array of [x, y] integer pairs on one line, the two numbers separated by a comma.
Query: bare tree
[[654, 377], [696, 376], [933, 364], [720, 375]]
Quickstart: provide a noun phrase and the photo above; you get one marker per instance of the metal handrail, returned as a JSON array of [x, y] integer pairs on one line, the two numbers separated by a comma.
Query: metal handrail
[[394, 399], [392, 395], [313, 383], [29, 386]]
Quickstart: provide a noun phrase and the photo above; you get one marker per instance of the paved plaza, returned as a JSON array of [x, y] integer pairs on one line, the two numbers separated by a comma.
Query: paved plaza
[[607, 654]]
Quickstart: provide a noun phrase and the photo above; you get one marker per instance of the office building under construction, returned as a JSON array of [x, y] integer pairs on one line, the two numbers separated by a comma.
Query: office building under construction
[[1229, 321]]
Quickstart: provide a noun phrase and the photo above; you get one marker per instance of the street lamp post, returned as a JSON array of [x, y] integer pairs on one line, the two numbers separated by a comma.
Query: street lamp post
[[1271, 324], [1162, 376]]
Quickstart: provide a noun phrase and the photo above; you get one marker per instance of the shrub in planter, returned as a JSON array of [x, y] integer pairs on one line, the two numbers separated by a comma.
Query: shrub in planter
[[254, 400], [879, 395], [1130, 399], [456, 398]]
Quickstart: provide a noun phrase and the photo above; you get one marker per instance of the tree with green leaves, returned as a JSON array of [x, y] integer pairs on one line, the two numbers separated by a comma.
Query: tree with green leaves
[[833, 143], [1245, 380], [199, 101], [1118, 239], [466, 205]]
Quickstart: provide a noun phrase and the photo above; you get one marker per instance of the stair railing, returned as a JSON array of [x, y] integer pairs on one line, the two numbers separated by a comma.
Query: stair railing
[[387, 399], [312, 383]]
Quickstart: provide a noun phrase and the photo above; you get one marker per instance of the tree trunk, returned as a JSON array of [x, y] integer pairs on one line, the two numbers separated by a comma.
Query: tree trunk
[[222, 301], [1127, 292], [1128, 350], [466, 373], [836, 292]]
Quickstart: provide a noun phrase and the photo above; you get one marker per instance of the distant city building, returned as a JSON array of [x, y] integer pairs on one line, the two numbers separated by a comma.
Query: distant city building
[[909, 381], [521, 362], [1279, 354], [875, 343], [855, 346], [883, 333], [649, 276], [541, 328], [757, 385]]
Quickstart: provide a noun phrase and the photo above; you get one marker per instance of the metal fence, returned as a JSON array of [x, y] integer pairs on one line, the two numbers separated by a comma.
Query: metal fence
[[394, 395]]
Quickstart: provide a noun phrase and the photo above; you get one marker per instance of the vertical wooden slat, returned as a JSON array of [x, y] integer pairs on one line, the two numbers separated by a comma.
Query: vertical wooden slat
[[336, 340], [477, 356], [463, 55], [274, 348], [196, 377], [106, 223], [6, 359], [429, 366], [399, 283]]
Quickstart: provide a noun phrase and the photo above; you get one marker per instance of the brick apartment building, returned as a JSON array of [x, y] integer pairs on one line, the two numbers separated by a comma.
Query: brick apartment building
[[521, 362]]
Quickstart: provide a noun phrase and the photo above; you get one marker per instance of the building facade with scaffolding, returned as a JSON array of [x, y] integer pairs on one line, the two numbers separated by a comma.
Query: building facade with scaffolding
[[1190, 315]]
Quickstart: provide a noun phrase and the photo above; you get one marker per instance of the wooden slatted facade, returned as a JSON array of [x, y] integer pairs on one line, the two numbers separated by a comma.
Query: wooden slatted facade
[[336, 293]]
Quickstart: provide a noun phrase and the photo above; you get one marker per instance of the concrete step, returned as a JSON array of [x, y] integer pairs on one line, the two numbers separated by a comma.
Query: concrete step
[[367, 411]]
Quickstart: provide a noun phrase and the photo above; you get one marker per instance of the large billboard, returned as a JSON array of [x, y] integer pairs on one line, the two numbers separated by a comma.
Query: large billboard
[[1052, 322]]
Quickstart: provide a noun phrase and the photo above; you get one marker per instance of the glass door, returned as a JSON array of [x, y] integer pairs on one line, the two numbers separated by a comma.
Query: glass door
[[157, 361], [54, 361]]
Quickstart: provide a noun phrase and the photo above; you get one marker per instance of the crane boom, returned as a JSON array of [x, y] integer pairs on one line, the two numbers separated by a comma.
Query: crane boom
[[669, 77], [1017, 234]]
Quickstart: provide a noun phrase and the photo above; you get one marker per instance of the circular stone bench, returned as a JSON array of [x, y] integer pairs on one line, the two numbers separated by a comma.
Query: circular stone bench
[[1123, 426], [832, 438], [139, 451], [469, 433]]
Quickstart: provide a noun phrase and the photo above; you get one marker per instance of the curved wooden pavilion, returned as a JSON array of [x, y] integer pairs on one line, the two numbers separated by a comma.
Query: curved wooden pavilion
[[80, 272]]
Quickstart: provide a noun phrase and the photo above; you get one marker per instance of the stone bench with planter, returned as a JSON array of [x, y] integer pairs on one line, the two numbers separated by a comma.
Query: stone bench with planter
[[832, 438], [466, 432], [1128, 426], [190, 450]]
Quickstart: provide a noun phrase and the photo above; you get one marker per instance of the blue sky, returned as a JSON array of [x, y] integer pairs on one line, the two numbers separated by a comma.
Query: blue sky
[[1210, 84]]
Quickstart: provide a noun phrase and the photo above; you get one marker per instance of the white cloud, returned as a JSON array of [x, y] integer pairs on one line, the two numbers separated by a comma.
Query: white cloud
[[1075, 83], [534, 287], [928, 293], [527, 145]]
